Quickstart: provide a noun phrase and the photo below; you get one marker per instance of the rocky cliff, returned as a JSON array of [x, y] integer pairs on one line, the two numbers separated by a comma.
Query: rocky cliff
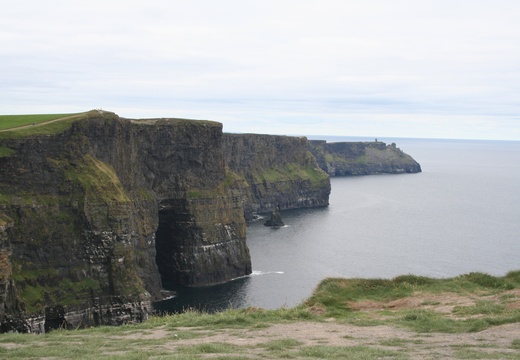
[[95, 210], [362, 158], [280, 171], [92, 215]]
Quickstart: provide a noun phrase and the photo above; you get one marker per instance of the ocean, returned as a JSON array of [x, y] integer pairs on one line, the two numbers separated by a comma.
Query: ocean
[[460, 215]]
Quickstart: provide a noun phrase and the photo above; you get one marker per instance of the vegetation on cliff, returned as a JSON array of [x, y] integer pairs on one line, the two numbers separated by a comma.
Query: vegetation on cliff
[[5, 151], [98, 179], [469, 316], [291, 171]]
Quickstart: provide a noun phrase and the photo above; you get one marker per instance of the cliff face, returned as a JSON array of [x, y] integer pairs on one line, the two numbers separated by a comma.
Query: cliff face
[[91, 217], [362, 158], [95, 212], [280, 171]]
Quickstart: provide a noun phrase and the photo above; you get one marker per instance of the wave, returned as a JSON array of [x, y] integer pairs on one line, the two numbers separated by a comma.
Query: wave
[[258, 273]]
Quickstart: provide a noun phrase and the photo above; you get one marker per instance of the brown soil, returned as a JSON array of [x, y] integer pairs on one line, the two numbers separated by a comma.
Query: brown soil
[[495, 341]]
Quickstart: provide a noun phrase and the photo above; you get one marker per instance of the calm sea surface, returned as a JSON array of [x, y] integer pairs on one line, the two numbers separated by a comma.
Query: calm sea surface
[[461, 214]]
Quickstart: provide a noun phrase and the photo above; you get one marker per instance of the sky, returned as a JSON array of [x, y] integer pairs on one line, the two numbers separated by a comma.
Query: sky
[[378, 68]]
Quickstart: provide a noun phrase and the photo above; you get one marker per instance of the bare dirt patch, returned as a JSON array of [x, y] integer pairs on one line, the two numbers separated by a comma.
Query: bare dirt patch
[[497, 340], [154, 334]]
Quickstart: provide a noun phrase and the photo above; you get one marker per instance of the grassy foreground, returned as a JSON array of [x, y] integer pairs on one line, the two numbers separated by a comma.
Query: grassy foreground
[[473, 316]]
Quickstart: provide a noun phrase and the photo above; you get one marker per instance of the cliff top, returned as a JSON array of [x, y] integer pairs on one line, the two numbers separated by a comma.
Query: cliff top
[[17, 126], [8, 122], [176, 121]]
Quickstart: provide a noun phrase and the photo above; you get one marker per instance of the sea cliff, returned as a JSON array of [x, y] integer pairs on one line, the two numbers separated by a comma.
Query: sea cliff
[[362, 158], [280, 171], [97, 210], [94, 214]]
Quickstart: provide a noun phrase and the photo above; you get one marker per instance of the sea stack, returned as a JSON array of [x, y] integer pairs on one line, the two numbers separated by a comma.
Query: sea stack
[[275, 220]]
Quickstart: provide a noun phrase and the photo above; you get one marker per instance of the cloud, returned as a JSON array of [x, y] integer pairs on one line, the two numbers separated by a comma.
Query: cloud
[[268, 65]]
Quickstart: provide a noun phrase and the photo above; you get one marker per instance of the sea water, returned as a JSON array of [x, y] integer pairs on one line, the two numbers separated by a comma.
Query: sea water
[[461, 214]]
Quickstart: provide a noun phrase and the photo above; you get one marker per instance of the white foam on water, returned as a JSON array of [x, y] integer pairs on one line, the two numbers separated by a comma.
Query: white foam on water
[[258, 273]]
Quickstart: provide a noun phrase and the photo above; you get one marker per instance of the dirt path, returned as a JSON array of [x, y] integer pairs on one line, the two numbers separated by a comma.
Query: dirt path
[[495, 343], [333, 339]]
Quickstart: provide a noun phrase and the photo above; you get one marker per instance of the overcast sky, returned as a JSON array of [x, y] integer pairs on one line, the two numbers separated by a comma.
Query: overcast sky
[[394, 68]]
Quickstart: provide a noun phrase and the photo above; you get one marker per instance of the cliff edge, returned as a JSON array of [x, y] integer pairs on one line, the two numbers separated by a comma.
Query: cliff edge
[[93, 215], [96, 209]]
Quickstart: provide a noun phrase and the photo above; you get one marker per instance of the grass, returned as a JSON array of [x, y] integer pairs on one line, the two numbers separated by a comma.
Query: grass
[[83, 344], [190, 335], [209, 348], [13, 121], [135, 341], [339, 297], [348, 352], [99, 179], [37, 290], [240, 318], [16, 124], [293, 172], [5, 151], [281, 344], [482, 354], [231, 180]]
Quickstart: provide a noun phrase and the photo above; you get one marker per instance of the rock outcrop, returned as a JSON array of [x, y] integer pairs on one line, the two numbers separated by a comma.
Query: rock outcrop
[[362, 158], [92, 215], [275, 221]]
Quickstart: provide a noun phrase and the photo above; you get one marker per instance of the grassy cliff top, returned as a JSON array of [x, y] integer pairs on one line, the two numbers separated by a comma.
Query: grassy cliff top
[[473, 316], [18, 126], [17, 121], [176, 121]]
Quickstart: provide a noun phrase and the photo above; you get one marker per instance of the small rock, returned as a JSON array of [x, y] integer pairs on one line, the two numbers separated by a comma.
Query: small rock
[[275, 220]]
